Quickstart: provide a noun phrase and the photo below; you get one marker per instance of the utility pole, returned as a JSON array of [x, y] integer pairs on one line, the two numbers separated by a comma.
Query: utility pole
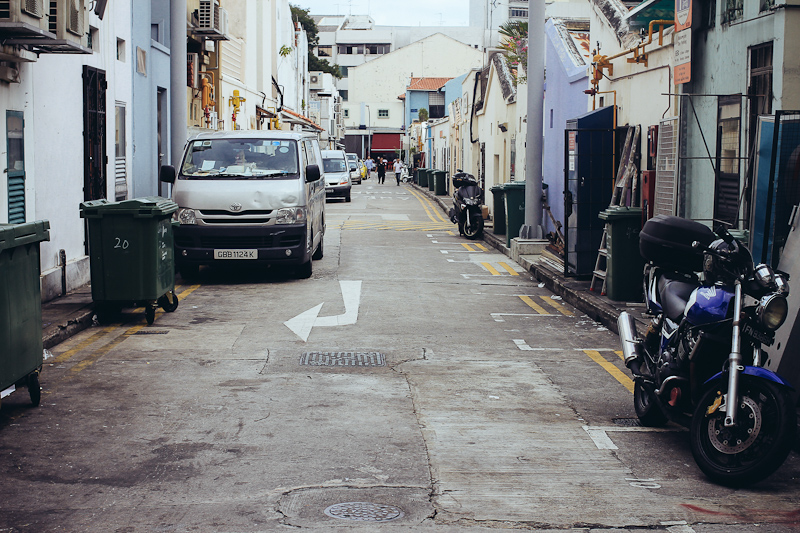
[[532, 229], [178, 114]]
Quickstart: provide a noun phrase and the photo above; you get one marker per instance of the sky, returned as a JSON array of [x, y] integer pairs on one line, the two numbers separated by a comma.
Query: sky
[[395, 12]]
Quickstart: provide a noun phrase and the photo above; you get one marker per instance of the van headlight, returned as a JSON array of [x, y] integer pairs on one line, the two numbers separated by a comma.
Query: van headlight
[[291, 215], [772, 311], [186, 216]]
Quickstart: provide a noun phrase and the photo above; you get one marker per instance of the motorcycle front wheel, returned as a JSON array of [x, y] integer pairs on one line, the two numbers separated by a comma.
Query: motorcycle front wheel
[[757, 445], [475, 230]]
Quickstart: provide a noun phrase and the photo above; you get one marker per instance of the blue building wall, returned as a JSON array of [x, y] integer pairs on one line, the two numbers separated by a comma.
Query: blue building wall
[[564, 100], [415, 100], [150, 34], [452, 91]]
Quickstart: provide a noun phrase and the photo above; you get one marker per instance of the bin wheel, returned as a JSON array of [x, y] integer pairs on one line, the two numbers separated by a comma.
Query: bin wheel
[[34, 389], [167, 305], [150, 314]]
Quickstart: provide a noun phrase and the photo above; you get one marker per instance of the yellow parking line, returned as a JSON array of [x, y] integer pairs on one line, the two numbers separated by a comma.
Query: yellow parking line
[[533, 305], [83, 344], [619, 353], [482, 247], [491, 269], [557, 306], [509, 269], [100, 352], [595, 356], [468, 247]]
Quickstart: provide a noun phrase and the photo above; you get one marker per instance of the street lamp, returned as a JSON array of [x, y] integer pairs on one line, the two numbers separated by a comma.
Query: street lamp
[[369, 132]]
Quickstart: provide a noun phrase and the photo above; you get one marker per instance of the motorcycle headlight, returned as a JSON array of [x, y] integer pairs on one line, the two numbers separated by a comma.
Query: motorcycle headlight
[[772, 311], [291, 215], [471, 201], [186, 216], [764, 275]]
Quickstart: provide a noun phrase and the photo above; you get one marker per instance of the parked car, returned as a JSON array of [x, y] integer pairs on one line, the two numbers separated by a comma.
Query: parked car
[[250, 197], [337, 174], [355, 170]]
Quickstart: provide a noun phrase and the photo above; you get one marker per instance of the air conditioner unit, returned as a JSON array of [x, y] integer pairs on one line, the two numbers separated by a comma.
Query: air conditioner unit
[[68, 20], [212, 20], [26, 11], [316, 81]]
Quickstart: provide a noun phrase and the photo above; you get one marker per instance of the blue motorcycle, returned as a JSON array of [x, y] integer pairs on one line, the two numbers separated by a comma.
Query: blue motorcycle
[[701, 361]]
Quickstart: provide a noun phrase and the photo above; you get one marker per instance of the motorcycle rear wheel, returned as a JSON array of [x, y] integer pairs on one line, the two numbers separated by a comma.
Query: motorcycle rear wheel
[[752, 451], [648, 411]]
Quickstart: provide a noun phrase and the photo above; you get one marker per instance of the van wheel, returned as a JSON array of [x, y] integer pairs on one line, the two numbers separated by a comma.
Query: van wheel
[[347, 198], [189, 272], [305, 270], [319, 252]]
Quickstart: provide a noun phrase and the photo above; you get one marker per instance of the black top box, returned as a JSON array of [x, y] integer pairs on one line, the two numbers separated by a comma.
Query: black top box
[[667, 241]]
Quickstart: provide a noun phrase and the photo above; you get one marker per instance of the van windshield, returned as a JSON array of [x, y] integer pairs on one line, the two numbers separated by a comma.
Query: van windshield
[[240, 159], [334, 165]]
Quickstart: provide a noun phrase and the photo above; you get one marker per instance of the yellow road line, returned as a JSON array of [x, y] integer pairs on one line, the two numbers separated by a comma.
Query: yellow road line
[[482, 247], [611, 369], [429, 207], [491, 269], [533, 305], [425, 205], [468, 247], [555, 305], [619, 353], [83, 344], [509, 269], [100, 352]]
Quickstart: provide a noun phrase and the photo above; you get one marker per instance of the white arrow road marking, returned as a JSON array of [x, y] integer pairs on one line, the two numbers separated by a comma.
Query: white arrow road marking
[[302, 324]]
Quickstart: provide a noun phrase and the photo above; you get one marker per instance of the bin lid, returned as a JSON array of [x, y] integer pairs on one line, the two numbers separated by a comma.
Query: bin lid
[[618, 212], [514, 185], [148, 206], [13, 235]]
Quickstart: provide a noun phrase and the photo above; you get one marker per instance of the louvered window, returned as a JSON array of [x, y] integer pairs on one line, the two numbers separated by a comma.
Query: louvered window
[[16, 166], [667, 168]]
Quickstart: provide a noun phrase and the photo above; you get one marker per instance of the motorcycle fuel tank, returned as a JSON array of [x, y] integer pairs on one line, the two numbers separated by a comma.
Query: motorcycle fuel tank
[[708, 305]]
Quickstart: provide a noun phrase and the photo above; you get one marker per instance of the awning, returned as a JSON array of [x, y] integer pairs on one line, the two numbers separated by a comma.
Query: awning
[[387, 141], [295, 118], [641, 15]]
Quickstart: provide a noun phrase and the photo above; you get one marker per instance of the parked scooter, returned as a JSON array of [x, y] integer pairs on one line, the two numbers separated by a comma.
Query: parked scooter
[[701, 362], [466, 211]]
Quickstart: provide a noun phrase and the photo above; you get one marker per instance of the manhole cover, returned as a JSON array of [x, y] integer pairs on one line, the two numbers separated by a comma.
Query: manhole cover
[[364, 512], [343, 359], [628, 422]]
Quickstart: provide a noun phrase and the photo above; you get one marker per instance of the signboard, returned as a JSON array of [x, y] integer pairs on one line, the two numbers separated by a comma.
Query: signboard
[[682, 59], [683, 14]]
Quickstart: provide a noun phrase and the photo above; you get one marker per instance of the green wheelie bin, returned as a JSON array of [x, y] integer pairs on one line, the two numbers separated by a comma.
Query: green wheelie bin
[[131, 253], [423, 177], [439, 182], [514, 194], [21, 307], [624, 264], [498, 209], [431, 178]]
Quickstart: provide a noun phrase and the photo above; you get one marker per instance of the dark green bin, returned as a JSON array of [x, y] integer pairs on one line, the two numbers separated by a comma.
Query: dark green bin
[[423, 177], [130, 248], [21, 305], [498, 209], [439, 182], [624, 264], [431, 178], [514, 195]]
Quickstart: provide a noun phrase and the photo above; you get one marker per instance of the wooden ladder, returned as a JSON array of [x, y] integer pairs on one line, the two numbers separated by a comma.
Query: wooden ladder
[[625, 181]]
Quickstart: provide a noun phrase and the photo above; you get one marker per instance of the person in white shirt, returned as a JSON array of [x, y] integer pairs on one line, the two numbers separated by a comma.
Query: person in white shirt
[[398, 169]]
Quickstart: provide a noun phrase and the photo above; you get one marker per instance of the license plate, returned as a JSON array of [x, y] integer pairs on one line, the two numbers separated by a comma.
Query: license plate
[[235, 254], [763, 338]]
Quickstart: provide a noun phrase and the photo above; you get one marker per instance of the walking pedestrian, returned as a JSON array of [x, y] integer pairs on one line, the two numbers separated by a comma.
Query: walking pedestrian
[[381, 170], [398, 169], [370, 167]]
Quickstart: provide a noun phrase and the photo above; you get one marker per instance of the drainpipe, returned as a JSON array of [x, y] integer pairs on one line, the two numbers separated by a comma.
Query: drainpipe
[[177, 92], [532, 229]]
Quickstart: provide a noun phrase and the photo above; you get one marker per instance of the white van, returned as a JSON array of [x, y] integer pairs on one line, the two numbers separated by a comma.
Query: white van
[[249, 197], [337, 174]]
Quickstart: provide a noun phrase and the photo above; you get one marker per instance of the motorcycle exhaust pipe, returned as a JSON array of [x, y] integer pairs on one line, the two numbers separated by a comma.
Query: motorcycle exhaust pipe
[[631, 345]]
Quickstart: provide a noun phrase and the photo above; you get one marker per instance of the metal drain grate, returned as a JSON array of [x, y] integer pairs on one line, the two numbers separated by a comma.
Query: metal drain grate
[[628, 422], [364, 512], [150, 332], [343, 359]]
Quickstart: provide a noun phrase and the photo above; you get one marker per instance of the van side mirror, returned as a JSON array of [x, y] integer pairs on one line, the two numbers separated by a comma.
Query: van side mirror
[[312, 173], [167, 174]]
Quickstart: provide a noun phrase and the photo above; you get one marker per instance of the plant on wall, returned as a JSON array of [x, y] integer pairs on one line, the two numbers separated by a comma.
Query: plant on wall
[[312, 33], [285, 51]]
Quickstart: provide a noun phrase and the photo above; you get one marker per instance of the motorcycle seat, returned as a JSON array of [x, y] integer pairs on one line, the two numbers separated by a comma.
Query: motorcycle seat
[[674, 295]]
